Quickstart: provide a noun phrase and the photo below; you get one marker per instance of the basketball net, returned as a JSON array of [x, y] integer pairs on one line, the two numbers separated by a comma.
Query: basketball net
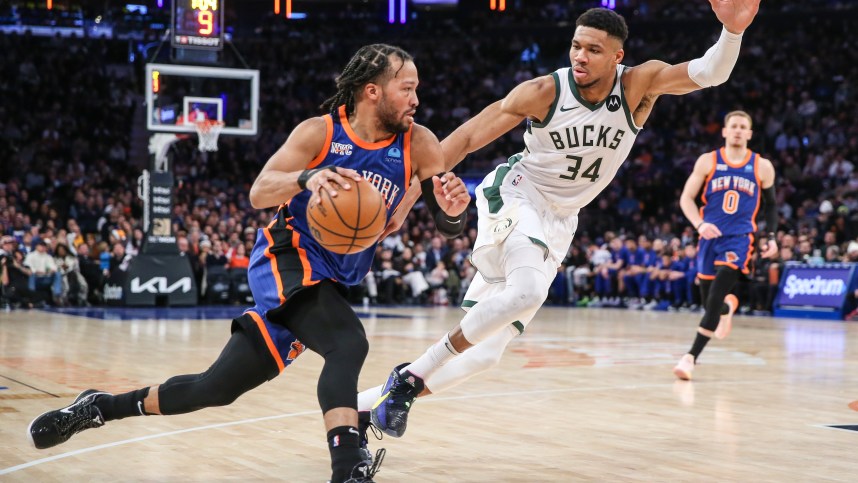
[[208, 131]]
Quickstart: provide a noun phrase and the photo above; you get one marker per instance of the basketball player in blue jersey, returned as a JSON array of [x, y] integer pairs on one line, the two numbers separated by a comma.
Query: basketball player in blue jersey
[[581, 124], [734, 180], [369, 136]]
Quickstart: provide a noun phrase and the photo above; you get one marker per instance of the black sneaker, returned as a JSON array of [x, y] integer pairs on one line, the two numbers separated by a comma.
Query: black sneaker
[[390, 412], [363, 472], [364, 427], [57, 426]]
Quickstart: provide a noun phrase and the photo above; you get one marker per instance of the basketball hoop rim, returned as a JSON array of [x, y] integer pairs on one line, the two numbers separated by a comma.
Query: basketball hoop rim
[[207, 125]]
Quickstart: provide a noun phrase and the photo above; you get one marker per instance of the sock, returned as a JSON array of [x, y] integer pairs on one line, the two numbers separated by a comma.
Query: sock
[[344, 444], [440, 352], [725, 309], [122, 405], [475, 360], [699, 343], [366, 399]]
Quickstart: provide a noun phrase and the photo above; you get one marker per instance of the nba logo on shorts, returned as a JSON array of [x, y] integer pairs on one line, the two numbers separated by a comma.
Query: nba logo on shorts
[[516, 180]]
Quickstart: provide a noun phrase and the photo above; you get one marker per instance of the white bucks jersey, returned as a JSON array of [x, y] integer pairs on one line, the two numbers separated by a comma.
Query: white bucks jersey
[[576, 151]]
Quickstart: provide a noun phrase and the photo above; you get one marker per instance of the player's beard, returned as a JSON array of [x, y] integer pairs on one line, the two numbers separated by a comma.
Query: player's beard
[[391, 120]]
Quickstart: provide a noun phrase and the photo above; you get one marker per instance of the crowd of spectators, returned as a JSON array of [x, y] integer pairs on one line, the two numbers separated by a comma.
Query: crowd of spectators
[[68, 180]]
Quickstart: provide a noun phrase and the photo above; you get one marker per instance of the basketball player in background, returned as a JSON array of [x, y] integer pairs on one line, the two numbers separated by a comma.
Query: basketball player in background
[[733, 180], [581, 124], [369, 135]]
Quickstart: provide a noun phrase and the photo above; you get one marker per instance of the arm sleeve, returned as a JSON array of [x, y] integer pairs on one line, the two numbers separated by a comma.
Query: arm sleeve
[[449, 226], [717, 63], [771, 209]]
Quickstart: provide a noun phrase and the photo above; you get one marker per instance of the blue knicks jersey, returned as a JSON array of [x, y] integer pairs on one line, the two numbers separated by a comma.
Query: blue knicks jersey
[[731, 195], [386, 164]]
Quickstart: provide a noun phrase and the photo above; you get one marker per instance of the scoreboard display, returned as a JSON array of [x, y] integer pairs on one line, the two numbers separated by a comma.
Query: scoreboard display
[[197, 24]]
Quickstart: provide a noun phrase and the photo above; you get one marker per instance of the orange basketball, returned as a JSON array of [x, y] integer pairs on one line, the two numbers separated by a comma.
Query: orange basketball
[[351, 222]]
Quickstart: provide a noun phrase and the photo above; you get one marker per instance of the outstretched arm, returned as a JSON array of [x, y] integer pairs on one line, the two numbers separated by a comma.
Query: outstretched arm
[[654, 78], [529, 99]]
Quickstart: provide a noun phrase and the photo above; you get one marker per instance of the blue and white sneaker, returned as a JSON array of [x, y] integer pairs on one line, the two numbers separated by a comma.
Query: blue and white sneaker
[[390, 411]]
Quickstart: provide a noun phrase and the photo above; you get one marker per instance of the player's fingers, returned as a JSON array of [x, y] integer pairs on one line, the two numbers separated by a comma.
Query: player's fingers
[[437, 185], [349, 173]]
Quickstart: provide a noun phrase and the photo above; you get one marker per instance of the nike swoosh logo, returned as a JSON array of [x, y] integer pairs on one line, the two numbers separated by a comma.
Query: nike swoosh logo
[[354, 431], [564, 108], [140, 408], [380, 400], [66, 410], [454, 222]]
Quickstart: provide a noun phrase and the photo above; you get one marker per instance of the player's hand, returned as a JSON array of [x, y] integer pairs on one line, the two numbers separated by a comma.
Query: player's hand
[[771, 250], [331, 181], [708, 231], [736, 15], [451, 193]]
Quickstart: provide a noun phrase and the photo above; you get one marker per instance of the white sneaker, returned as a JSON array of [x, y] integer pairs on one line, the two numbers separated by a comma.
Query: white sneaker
[[684, 368]]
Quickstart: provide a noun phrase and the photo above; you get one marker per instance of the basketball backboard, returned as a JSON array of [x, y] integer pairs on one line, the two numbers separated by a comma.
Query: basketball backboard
[[178, 96]]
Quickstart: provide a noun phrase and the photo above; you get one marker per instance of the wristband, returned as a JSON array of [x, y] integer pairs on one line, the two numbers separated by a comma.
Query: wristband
[[698, 226], [305, 175]]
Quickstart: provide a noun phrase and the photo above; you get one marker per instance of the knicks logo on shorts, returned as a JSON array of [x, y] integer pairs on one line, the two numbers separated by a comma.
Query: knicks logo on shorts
[[296, 348], [731, 257]]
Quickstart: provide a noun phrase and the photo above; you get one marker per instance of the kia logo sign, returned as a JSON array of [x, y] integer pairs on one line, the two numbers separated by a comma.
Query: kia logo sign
[[158, 285], [826, 287]]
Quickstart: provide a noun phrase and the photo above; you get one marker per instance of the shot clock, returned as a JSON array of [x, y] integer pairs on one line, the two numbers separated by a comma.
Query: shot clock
[[197, 24]]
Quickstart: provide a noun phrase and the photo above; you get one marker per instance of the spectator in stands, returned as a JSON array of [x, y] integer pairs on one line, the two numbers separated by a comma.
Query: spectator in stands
[[239, 257], [44, 273], [91, 272], [74, 287], [17, 283]]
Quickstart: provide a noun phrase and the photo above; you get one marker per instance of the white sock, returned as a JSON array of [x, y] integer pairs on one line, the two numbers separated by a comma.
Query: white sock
[[439, 353], [366, 399], [475, 360]]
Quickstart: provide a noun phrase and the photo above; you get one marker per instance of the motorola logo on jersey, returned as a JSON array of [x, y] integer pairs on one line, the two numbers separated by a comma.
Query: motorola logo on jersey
[[342, 149], [613, 103]]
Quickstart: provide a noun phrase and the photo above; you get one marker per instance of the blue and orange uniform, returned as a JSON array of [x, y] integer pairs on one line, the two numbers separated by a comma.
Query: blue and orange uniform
[[731, 199], [286, 259]]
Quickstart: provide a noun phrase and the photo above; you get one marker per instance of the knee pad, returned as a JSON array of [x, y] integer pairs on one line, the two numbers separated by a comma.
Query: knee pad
[[525, 292]]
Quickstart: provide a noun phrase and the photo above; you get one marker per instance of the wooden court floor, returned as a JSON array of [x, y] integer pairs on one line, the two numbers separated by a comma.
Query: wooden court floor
[[583, 395]]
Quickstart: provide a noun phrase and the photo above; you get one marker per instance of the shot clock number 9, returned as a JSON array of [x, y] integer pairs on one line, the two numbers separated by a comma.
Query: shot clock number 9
[[198, 24]]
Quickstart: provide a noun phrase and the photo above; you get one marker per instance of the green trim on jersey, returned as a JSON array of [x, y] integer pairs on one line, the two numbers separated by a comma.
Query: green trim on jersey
[[584, 102], [553, 104], [629, 117], [466, 304], [519, 326], [492, 193]]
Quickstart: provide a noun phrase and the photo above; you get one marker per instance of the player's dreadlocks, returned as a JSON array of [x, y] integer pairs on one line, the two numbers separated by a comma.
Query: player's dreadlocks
[[369, 64]]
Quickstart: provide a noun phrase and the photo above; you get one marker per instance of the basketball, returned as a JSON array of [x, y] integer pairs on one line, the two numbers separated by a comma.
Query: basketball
[[350, 222]]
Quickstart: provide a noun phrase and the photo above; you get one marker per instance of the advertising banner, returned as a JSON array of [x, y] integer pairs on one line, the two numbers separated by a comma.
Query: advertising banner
[[816, 291]]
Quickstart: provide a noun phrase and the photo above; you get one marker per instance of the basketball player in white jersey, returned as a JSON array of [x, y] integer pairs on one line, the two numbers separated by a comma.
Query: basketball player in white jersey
[[581, 124]]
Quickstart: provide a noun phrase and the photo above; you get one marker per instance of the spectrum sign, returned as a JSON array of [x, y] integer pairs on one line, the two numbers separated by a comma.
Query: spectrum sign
[[815, 288]]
